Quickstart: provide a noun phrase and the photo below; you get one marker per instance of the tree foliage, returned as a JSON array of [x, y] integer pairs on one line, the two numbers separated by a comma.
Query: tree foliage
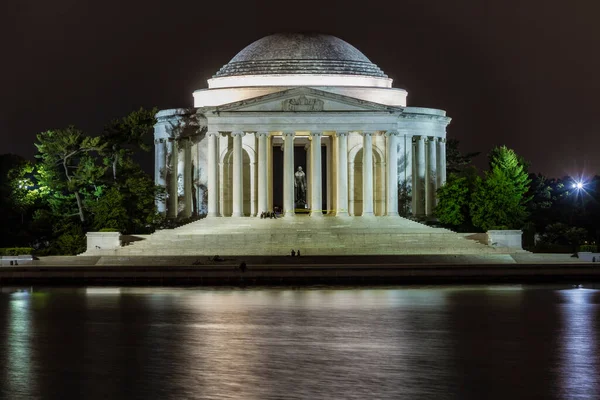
[[79, 183], [456, 162], [454, 199], [126, 135], [67, 165], [498, 201]]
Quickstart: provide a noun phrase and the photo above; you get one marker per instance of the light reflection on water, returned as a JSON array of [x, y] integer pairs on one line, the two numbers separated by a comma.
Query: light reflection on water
[[350, 343]]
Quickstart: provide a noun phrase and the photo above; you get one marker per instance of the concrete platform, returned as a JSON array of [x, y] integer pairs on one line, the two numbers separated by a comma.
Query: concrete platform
[[312, 236]]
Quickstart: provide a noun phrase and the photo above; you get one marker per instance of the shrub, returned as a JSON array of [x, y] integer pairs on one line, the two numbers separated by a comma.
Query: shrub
[[15, 251], [588, 247]]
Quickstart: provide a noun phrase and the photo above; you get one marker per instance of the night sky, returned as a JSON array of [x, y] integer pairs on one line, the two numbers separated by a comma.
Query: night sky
[[522, 73]]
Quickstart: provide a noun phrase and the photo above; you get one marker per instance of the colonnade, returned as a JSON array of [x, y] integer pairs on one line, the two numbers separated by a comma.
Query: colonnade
[[429, 174], [174, 172], [427, 160]]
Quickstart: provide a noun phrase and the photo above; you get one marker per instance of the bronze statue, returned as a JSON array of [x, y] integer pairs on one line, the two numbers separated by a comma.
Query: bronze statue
[[300, 188]]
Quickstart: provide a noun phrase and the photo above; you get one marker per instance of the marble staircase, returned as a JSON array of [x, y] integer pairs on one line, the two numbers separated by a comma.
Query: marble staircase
[[312, 236]]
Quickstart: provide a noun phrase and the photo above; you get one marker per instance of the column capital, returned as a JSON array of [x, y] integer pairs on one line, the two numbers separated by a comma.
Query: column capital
[[215, 134], [238, 134], [391, 133], [288, 134], [341, 134], [367, 133], [260, 134], [442, 140], [315, 134]]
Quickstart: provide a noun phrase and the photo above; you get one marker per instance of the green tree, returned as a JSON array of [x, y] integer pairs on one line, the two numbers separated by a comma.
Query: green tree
[[126, 135], [67, 166], [454, 198], [404, 198], [499, 200]]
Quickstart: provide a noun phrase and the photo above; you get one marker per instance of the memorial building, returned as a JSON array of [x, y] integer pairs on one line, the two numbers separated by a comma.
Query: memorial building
[[299, 123], [305, 127]]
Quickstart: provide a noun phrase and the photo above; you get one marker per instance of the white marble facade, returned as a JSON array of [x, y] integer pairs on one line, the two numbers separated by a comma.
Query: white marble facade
[[216, 158]]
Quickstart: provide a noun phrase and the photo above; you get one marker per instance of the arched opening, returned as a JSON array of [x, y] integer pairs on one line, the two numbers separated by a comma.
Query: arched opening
[[356, 197], [227, 189]]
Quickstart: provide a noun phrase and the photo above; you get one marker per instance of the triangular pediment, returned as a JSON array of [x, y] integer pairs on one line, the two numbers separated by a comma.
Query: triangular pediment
[[304, 99]]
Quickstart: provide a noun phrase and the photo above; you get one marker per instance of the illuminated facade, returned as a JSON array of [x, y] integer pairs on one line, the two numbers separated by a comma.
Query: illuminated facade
[[362, 143]]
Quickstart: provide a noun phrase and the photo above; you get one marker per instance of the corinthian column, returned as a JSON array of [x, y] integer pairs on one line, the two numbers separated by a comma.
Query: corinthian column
[[367, 174], [186, 176], [238, 193], [262, 172], [172, 183], [342, 175], [392, 173], [212, 166], [431, 176], [419, 190], [160, 171], [288, 174], [315, 175], [441, 162]]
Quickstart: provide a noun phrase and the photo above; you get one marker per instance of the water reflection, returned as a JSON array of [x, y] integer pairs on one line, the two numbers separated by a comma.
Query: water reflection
[[352, 343], [580, 360], [17, 359]]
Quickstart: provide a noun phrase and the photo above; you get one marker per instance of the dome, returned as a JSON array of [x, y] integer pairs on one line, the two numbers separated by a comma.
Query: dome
[[300, 54]]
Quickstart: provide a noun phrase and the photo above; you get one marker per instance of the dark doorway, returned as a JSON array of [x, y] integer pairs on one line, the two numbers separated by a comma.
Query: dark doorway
[[299, 161]]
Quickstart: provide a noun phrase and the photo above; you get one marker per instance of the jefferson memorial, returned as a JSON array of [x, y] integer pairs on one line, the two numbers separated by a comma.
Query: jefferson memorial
[[299, 123], [305, 127]]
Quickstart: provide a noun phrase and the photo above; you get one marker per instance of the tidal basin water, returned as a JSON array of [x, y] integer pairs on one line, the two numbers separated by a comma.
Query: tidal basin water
[[460, 342]]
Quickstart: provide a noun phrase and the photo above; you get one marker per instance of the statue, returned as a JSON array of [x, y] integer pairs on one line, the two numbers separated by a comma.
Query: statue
[[300, 188]]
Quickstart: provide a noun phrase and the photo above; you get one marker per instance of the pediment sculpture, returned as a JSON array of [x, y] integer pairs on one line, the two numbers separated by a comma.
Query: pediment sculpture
[[303, 103]]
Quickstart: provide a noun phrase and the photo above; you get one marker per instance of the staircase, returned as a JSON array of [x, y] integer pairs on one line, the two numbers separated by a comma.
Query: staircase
[[312, 236]]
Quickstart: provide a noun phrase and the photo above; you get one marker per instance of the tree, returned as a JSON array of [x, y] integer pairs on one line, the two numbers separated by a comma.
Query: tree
[[454, 198], [499, 200], [404, 199], [67, 165], [123, 136], [456, 162]]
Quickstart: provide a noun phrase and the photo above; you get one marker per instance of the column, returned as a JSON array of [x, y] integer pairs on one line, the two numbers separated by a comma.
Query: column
[[270, 172], [405, 173], [316, 175], [238, 193], [342, 174], [351, 197], [328, 180], [392, 173], [308, 173], [212, 167], [262, 172], [367, 174], [431, 176], [160, 172], [186, 176], [172, 178], [253, 185], [288, 174], [441, 162], [419, 189]]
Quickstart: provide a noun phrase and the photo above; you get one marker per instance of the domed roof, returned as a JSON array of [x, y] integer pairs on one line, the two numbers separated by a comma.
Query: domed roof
[[300, 53]]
